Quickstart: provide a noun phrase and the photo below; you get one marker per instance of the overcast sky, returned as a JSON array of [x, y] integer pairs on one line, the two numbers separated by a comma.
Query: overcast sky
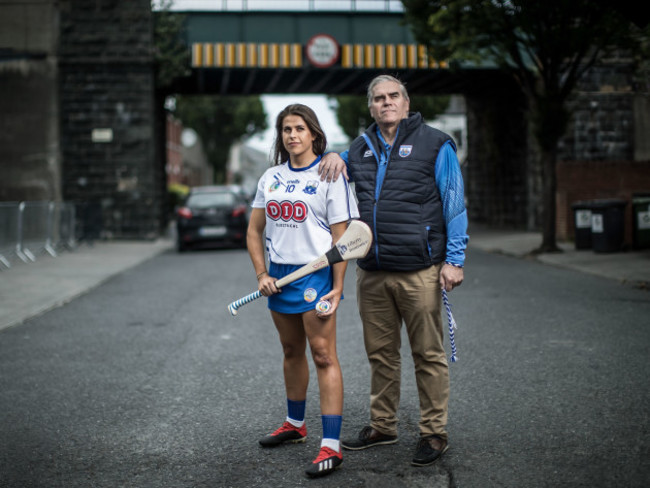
[[273, 104]]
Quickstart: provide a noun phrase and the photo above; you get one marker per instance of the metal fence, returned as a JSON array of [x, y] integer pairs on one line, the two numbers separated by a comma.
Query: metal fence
[[31, 229]]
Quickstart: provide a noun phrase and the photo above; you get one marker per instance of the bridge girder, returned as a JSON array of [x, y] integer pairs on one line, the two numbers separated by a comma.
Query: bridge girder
[[237, 54], [331, 81]]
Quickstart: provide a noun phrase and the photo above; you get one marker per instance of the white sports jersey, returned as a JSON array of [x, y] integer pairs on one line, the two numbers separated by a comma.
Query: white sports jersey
[[299, 211]]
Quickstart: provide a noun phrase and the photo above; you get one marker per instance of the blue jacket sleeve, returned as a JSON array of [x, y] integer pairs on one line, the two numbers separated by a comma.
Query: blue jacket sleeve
[[449, 181]]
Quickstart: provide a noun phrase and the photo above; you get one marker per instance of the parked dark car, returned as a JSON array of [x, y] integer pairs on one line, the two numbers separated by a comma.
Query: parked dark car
[[212, 215]]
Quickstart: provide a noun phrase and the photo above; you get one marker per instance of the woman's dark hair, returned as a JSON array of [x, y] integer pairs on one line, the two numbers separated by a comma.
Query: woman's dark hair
[[280, 154]]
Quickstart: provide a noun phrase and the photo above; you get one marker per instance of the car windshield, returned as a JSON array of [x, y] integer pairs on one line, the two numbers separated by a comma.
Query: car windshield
[[206, 200]]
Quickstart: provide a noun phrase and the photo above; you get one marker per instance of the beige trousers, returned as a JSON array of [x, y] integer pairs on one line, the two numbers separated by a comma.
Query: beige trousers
[[385, 300]]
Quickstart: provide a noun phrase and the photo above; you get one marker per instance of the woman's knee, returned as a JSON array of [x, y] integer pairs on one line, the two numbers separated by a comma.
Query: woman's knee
[[322, 355]]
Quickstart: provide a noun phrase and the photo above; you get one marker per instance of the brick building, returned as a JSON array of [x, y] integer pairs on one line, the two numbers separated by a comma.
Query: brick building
[[606, 152]]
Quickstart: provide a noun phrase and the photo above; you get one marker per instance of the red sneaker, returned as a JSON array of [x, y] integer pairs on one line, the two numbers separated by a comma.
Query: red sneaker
[[326, 462], [287, 433]]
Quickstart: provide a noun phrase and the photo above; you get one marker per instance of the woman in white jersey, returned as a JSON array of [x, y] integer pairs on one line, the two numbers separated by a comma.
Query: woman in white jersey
[[302, 217]]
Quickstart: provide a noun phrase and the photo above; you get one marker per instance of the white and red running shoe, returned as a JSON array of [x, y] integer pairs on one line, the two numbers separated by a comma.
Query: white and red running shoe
[[287, 433], [326, 462]]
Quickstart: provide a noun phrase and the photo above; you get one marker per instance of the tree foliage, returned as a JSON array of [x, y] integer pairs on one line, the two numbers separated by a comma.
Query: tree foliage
[[353, 115], [220, 122], [171, 56], [547, 46]]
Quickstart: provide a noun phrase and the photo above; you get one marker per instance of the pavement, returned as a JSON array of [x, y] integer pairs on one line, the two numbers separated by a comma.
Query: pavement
[[30, 289]]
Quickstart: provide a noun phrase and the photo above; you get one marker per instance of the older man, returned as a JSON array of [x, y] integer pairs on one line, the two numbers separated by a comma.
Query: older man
[[410, 191]]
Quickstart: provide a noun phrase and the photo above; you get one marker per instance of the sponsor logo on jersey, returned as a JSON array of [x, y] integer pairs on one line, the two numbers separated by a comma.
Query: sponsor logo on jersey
[[274, 186], [405, 151], [310, 295], [310, 187], [286, 210]]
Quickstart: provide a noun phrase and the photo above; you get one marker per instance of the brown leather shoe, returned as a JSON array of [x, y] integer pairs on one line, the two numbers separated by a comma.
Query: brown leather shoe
[[429, 449], [368, 437]]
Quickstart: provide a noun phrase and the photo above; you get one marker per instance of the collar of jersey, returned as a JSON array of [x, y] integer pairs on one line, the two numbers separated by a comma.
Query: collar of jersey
[[387, 147], [316, 161]]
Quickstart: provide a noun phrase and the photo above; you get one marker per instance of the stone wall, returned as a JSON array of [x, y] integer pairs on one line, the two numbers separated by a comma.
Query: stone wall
[[496, 177], [605, 152], [110, 156], [29, 137], [602, 116]]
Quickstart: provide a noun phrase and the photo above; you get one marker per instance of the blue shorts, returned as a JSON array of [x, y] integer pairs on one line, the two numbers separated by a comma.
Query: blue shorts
[[302, 295]]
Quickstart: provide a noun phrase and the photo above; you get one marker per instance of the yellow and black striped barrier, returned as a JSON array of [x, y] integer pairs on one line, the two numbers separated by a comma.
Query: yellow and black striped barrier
[[290, 55], [411, 56], [246, 55]]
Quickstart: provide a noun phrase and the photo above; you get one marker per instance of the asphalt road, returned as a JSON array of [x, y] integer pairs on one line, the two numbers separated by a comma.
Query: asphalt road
[[146, 381]]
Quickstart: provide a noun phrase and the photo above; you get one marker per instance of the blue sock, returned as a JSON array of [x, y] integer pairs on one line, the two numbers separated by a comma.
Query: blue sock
[[296, 409], [331, 426]]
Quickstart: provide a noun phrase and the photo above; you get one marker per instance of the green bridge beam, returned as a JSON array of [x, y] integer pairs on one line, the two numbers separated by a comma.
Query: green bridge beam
[[251, 53]]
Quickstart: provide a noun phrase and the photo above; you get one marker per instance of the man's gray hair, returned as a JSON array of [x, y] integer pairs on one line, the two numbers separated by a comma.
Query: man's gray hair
[[382, 79]]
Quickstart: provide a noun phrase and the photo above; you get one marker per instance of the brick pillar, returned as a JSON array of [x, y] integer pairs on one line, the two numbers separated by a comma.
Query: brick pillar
[[496, 182], [107, 114], [29, 113]]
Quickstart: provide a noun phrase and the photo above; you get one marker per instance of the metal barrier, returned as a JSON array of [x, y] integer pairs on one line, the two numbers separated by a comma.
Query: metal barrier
[[29, 229]]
